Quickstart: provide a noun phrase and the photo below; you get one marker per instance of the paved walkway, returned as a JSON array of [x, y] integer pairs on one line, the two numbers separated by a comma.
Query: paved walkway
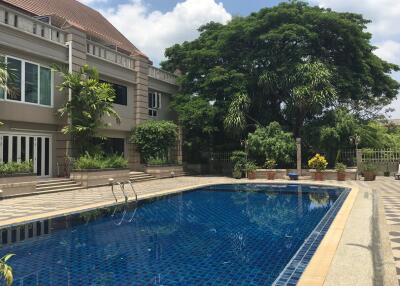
[[390, 195], [24, 209]]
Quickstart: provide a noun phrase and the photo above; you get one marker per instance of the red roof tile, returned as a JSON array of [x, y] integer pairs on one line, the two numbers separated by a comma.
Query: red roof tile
[[80, 16]]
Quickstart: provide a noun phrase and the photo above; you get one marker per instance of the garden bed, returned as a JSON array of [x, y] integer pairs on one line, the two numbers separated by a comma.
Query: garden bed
[[279, 173], [99, 177], [17, 184], [332, 174]]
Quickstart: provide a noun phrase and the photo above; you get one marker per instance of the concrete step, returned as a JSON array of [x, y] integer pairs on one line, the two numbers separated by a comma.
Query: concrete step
[[58, 186], [51, 181]]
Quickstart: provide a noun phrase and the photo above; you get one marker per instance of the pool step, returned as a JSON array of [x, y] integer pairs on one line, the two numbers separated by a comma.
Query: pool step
[[57, 185]]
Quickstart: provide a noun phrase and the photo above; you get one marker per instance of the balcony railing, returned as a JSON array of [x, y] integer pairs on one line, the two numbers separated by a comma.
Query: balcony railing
[[110, 55], [162, 75], [19, 21]]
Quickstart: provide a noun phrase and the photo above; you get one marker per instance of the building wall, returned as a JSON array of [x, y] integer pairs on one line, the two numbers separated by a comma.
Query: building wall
[[17, 117]]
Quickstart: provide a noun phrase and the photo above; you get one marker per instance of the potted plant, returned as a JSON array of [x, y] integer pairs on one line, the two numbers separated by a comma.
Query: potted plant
[[369, 171], [319, 163], [341, 171], [270, 165], [251, 168], [387, 172]]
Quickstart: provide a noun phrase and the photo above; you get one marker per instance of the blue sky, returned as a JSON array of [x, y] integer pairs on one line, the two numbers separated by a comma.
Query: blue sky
[[153, 25], [235, 7]]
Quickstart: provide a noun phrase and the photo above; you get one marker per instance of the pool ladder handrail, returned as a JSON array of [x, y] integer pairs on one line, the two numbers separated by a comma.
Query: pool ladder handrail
[[122, 187]]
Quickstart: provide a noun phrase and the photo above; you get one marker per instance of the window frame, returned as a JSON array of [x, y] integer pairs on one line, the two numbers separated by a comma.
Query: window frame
[[156, 103], [22, 101]]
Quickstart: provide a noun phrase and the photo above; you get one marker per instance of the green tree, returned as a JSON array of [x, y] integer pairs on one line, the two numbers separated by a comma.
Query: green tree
[[90, 102], [154, 138], [197, 116], [282, 41], [6, 271], [271, 142]]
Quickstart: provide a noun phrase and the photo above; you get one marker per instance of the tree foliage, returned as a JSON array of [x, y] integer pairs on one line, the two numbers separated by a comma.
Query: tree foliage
[[293, 62], [271, 142], [154, 138], [90, 102]]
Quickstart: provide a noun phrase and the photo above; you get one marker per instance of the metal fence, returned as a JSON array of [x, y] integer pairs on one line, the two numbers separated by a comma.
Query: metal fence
[[221, 156]]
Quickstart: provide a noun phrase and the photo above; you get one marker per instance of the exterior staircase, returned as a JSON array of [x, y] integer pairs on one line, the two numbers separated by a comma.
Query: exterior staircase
[[140, 177], [57, 185]]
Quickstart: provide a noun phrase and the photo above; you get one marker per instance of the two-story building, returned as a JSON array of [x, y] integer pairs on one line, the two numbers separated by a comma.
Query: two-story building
[[37, 34]]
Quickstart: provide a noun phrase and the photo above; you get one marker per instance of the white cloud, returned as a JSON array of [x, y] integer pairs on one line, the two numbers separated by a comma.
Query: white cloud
[[153, 31], [389, 51], [89, 2]]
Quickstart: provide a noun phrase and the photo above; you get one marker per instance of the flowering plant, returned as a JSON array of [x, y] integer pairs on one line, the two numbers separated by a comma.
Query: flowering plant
[[318, 162]]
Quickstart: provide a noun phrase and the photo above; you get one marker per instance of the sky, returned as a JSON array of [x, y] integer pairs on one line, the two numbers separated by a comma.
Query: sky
[[153, 25]]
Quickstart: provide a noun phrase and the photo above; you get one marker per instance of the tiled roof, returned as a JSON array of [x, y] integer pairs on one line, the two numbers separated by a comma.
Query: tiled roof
[[79, 16]]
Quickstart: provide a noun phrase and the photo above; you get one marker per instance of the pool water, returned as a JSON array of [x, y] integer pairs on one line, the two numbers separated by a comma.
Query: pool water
[[221, 235]]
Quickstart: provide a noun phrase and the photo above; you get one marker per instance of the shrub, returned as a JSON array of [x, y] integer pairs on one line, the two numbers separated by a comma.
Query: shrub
[[154, 138], [369, 167], [250, 166], [116, 161], [98, 161], [16, 168], [340, 167], [157, 161], [270, 164], [318, 162], [239, 160], [273, 143]]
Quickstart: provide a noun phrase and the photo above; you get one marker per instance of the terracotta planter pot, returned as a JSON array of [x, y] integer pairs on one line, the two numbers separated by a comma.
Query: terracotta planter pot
[[341, 176], [318, 176], [369, 176], [251, 175], [270, 175]]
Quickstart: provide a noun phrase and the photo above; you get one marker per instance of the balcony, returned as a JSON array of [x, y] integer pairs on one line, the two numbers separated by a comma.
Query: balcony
[[27, 24], [108, 54], [162, 75]]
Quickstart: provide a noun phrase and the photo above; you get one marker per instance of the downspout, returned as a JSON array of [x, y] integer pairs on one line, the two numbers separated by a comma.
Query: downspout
[[68, 153]]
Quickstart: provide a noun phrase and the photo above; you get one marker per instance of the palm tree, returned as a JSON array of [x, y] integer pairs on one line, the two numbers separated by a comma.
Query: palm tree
[[6, 270], [3, 74]]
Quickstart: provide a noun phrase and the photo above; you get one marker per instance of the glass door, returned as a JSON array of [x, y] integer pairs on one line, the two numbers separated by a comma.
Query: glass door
[[27, 147]]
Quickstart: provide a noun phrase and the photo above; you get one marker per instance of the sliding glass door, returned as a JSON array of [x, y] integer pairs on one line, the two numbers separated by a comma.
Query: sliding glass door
[[15, 147]]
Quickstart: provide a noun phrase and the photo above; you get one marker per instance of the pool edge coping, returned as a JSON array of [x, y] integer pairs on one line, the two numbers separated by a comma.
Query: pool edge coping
[[318, 268]]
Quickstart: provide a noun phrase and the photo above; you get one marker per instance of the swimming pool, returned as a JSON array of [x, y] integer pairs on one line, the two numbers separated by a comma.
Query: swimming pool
[[250, 234]]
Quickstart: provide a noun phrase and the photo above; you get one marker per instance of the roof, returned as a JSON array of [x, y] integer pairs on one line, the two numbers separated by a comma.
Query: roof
[[80, 16]]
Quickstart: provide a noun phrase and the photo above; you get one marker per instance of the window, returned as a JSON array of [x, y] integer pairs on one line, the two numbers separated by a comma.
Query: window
[[15, 20], [110, 145], [154, 103], [45, 86], [6, 17], [14, 91], [121, 93], [29, 83]]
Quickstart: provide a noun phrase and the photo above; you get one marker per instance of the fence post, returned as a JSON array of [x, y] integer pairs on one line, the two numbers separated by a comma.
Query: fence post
[[358, 161]]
